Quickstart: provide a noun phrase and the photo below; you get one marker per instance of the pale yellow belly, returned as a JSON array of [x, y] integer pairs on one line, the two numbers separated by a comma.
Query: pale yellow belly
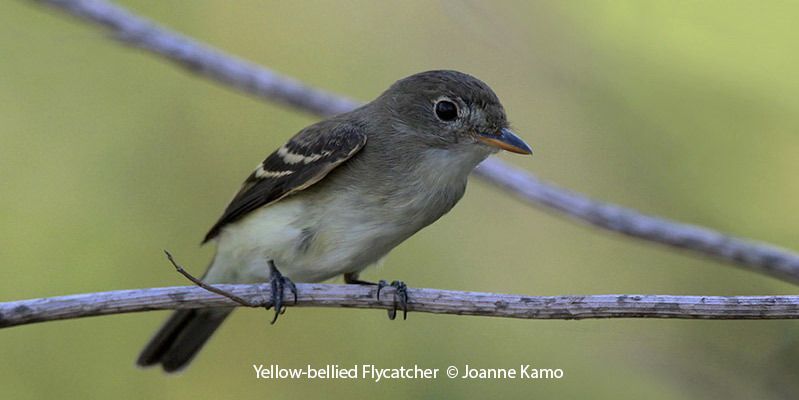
[[340, 243]]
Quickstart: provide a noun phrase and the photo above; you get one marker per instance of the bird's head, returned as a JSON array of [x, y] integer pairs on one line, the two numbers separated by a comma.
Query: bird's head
[[450, 109]]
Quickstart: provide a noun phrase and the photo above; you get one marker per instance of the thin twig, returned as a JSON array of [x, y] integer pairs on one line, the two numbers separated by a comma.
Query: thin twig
[[420, 300], [268, 85], [206, 286]]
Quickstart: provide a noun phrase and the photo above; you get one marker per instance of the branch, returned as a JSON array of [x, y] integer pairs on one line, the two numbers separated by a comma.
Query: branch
[[421, 300], [265, 84], [756, 256]]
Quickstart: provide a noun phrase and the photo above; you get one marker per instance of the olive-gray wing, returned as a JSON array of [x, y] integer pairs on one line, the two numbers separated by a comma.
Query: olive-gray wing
[[303, 161]]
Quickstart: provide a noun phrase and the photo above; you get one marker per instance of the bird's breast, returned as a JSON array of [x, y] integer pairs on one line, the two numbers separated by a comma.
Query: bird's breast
[[342, 224]]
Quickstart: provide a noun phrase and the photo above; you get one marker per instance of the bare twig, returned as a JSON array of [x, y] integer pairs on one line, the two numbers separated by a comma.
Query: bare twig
[[204, 60], [421, 300], [208, 287]]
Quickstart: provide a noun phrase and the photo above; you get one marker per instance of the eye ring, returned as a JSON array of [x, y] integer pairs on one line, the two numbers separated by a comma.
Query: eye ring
[[446, 110]]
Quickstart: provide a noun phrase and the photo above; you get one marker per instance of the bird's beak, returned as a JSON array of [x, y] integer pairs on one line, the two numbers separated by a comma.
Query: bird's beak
[[505, 140]]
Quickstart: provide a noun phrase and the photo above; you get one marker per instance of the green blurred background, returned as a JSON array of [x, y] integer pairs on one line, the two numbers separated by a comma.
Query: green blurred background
[[681, 109]]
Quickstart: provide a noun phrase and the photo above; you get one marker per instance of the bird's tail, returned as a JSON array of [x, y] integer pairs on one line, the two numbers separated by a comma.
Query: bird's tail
[[182, 337]]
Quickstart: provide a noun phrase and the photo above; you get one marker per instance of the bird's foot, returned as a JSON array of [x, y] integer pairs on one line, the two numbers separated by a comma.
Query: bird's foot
[[400, 298], [400, 293], [278, 283]]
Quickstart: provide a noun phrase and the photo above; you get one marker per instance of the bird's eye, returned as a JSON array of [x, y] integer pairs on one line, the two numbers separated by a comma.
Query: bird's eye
[[446, 110]]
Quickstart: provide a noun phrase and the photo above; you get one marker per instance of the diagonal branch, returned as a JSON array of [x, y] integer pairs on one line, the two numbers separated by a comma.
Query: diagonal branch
[[268, 85], [204, 60], [757, 256], [421, 300]]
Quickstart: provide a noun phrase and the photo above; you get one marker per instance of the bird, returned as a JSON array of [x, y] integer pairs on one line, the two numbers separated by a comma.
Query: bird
[[342, 193]]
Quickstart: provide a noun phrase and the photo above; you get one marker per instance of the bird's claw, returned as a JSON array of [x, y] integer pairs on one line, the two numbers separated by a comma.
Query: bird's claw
[[400, 298], [278, 283]]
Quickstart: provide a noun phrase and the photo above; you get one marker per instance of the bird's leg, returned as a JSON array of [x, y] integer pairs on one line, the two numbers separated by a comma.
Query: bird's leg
[[278, 282], [351, 278]]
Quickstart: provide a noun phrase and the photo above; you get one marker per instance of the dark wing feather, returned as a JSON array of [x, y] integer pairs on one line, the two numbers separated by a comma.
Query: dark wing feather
[[303, 161]]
